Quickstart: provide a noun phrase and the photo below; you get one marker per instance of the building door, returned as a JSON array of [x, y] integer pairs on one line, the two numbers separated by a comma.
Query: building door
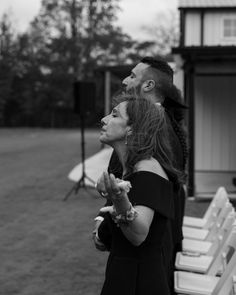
[[215, 133]]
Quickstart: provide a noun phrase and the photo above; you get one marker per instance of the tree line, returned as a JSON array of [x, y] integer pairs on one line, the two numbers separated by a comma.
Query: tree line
[[65, 42]]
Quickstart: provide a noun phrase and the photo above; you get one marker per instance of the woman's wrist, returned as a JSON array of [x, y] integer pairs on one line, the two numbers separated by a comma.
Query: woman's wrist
[[125, 217], [121, 204]]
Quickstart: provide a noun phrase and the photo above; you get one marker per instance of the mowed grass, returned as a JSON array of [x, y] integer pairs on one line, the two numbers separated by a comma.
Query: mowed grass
[[45, 243]]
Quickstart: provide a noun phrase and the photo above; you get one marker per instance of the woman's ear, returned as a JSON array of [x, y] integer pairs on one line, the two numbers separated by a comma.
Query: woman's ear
[[128, 133], [148, 85], [129, 130]]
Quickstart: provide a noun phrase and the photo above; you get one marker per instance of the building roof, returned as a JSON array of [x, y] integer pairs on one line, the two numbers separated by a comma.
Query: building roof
[[206, 3], [215, 53]]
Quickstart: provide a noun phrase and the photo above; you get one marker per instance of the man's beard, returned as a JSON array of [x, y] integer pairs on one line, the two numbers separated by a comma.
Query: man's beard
[[134, 90]]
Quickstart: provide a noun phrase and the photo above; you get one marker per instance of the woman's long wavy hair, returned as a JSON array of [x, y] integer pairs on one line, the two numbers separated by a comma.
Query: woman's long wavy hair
[[149, 137]]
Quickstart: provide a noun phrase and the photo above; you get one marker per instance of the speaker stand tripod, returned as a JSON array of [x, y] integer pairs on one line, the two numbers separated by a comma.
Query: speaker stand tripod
[[81, 182]]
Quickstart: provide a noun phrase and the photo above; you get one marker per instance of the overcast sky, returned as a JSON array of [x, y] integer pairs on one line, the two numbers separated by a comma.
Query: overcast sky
[[134, 14]]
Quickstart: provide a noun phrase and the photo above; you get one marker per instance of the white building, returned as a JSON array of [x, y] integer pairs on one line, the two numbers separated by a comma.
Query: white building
[[207, 57]]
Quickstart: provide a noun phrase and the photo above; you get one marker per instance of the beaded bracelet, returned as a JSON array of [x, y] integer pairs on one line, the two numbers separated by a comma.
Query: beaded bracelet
[[124, 218]]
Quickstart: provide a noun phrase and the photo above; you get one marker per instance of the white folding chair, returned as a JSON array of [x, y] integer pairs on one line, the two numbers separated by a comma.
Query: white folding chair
[[211, 213], [205, 263], [208, 234], [208, 246], [222, 256], [200, 284]]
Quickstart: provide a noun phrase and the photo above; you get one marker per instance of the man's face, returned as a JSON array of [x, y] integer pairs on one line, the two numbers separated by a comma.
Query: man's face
[[135, 80]]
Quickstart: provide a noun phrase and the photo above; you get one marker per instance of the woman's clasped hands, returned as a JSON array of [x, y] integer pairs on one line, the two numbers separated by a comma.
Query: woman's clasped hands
[[112, 188]]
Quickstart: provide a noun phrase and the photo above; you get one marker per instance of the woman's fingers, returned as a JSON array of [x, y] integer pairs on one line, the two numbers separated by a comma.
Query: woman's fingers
[[100, 186], [116, 190], [107, 182], [109, 209], [111, 185]]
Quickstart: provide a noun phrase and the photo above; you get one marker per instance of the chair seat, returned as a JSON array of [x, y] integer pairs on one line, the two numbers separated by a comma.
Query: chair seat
[[194, 284], [202, 247], [194, 222], [195, 233], [192, 263]]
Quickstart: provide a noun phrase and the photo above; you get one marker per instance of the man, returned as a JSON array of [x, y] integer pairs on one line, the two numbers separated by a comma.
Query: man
[[146, 77], [153, 79]]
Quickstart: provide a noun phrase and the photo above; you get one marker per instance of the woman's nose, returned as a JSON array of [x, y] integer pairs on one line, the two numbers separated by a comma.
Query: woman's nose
[[103, 122]]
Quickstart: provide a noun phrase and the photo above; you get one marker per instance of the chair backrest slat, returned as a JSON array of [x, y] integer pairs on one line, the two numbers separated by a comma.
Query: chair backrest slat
[[215, 207], [218, 223], [221, 253], [224, 285], [222, 235]]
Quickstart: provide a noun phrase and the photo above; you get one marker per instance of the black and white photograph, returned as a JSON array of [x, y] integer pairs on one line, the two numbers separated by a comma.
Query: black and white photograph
[[118, 147]]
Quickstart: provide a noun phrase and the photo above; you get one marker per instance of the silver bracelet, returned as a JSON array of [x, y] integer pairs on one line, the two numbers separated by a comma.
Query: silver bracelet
[[124, 218]]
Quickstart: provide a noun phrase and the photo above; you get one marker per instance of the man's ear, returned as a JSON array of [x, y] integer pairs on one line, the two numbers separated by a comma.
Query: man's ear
[[148, 85]]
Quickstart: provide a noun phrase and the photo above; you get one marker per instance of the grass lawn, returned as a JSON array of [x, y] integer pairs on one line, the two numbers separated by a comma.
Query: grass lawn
[[45, 243]]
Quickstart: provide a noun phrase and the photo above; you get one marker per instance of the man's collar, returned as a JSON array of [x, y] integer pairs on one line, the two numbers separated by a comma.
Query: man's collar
[[170, 103]]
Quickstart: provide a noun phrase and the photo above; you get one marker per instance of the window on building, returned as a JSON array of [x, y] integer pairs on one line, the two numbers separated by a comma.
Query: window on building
[[229, 27]]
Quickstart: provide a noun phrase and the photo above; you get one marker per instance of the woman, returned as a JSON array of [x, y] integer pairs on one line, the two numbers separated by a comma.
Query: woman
[[139, 215]]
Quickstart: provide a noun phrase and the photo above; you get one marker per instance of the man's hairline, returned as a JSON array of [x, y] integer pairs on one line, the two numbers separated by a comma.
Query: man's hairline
[[158, 72]]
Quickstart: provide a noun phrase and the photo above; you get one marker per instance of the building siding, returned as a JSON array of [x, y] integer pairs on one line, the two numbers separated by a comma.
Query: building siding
[[213, 29], [192, 29], [215, 121], [215, 136], [206, 3]]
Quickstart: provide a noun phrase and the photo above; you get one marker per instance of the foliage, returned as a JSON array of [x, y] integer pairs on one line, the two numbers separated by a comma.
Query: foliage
[[7, 63], [65, 42], [164, 32]]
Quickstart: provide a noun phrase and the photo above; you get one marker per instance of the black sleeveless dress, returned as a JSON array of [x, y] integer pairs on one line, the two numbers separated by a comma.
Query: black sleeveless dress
[[140, 270]]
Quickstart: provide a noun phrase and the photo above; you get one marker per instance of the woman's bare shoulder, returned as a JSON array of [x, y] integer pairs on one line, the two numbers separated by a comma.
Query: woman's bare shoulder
[[151, 165]]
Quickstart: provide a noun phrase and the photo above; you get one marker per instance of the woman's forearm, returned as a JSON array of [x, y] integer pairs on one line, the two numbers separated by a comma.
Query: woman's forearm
[[137, 229]]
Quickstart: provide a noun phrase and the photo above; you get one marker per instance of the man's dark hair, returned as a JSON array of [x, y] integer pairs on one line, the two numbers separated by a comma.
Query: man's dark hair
[[172, 98], [159, 64]]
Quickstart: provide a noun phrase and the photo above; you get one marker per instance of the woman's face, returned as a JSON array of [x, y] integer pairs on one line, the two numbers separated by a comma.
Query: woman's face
[[114, 126]]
